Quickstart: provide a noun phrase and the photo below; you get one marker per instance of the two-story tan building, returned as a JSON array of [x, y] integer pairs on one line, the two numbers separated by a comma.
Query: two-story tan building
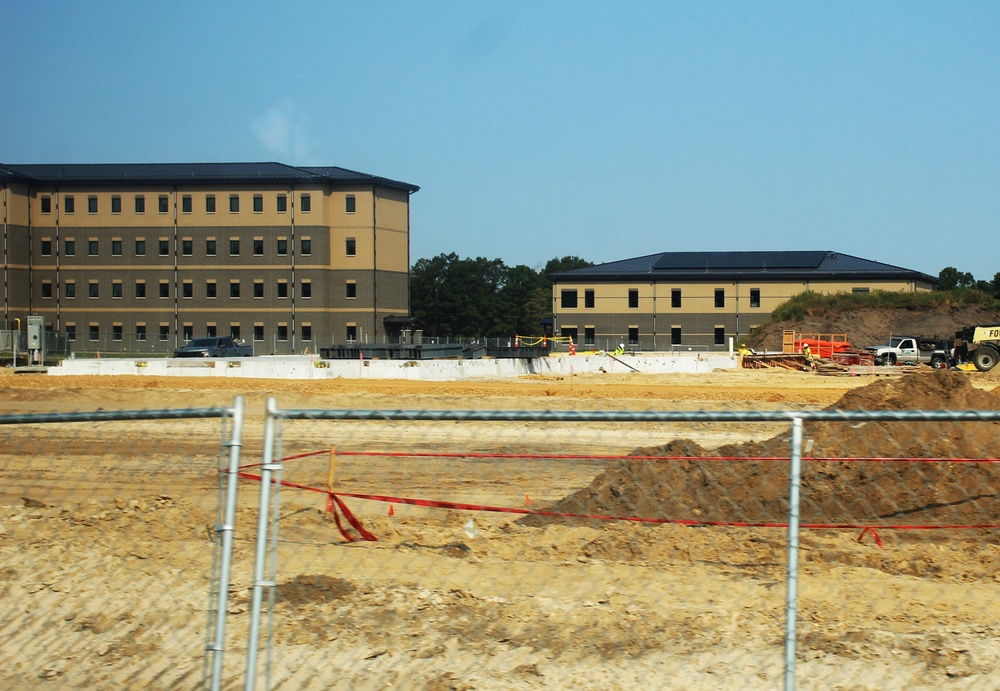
[[141, 257], [699, 300]]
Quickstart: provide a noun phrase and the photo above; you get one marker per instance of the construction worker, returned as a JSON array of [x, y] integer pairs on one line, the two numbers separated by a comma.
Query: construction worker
[[807, 352]]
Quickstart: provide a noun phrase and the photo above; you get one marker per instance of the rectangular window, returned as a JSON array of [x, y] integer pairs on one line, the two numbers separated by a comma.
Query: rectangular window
[[588, 299], [234, 331], [588, 336], [70, 247], [633, 336], [350, 204], [70, 289], [140, 204], [164, 289], [187, 289], [92, 247], [258, 288], [307, 289], [258, 332], [720, 297], [140, 290], [675, 335], [70, 331], [234, 203], [282, 246], [210, 247], [46, 204], [720, 335], [258, 247], [755, 297], [307, 332], [282, 332], [186, 204], [352, 247], [633, 299], [46, 289], [116, 247], [92, 204], [69, 204], [94, 331], [568, 299], [352, 290], [164, 331], [46, 247], [352, 333], [211, 330], [234, 289], [282, 289], [116, 289], [307, 246], [675, 298], [116, 332], [305, 203], [140, 332], [140, 247], [164, 246], [187, 247], [163, 204], [210, 289], [116, 204], [210, 203], [258, 203], [234, 247], [282, 203], [93, 290], [187, 331], [860, 290]]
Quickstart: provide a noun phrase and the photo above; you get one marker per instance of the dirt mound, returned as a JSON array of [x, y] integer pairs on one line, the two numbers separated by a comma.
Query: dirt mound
[[676, 481]]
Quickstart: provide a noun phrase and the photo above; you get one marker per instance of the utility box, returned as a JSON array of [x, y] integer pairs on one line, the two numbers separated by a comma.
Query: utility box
[[36, 339]]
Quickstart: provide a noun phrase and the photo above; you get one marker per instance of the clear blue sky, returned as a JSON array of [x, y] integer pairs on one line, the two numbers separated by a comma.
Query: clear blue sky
[[543, 129]]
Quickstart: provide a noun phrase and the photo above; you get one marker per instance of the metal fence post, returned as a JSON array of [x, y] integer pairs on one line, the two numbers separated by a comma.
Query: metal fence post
[[795, 477]]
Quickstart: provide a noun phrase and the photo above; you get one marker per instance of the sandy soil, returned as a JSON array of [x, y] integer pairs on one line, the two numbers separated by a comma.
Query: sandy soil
[[106, 542]]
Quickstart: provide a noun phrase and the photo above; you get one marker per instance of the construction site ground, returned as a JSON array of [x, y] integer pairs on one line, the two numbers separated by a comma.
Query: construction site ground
[[105, 550]]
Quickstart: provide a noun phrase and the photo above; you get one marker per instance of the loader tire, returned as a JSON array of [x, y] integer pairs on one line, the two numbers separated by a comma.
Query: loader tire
[[985, 358]]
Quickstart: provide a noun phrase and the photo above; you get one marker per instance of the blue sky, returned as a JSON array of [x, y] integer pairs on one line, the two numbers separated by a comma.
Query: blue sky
[[545, 129]]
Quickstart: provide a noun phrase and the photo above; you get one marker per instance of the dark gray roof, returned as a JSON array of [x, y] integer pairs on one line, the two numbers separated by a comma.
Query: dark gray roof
[[159, 173], [739, 265]]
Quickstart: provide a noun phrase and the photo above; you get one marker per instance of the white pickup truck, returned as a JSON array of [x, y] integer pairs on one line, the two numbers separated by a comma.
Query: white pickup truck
[[913, 350]]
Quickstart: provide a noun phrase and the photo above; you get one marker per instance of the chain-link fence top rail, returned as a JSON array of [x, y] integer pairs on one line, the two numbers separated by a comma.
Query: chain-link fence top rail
[[489, 564], [106, 546]]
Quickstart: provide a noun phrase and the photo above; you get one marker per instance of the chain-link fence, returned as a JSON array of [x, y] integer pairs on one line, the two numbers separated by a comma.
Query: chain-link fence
[[497, 549]]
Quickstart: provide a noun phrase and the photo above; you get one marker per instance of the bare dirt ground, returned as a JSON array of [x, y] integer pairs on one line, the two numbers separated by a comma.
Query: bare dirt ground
[[106, 538]]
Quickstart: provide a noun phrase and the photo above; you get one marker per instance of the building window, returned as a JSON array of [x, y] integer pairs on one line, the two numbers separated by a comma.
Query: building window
[[46, 289], [675, 298], [92, 205], [116, 247], [352, 290], [352, 333], [258, 247], [305, 203], [234, 247], [140, 247], [258, 289], [234, 331], [352, 247], [307, 289], [633, 299], [46, 248], [588, 299], [164, 332], [164, 246], [187, 289], [720, 297], [307, 332], [116, 289], [210, 204], [116, 332], [282, 246], [755, 297], [675, 335], [164, 289], [282, 332], [350, 204], [164, 204], [211, 330], [70, 289], [282, 289], [234, 289], [210, 289], [633, 336], [94, 331], [92, 247], [186, 204], [258, 203], [116, 204], [307, 246], [187, 331], [210, 247], [860, 290], [46, 204], [187, 247], [258, 332], [70, 247], [140, 332], [140, 204], [69, 204], [70, 331], [234, 203], [282, 203], [588, 336], [720, 335], [568, 299], [93, 290], [140, 290]]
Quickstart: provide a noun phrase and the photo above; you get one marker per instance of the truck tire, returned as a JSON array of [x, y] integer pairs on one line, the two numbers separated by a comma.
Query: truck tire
[[985, 358], [889, 359], [939, 362]]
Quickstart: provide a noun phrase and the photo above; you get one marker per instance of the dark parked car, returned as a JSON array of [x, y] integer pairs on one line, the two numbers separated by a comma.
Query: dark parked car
[[214, 347]]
